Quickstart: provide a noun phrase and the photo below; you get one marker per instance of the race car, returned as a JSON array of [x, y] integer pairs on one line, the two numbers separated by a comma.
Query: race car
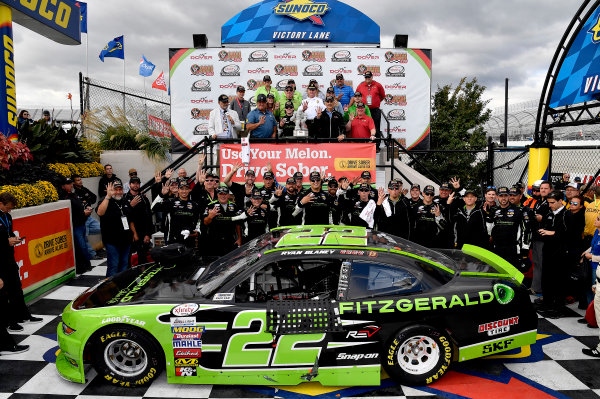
[[332, 304]]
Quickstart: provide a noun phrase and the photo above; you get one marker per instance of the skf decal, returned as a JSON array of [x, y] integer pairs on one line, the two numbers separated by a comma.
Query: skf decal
[[498, 327], [185, 371], [367, 332], [302, 9], [187, 352], [497, 346], [187, 309], [186, 361]]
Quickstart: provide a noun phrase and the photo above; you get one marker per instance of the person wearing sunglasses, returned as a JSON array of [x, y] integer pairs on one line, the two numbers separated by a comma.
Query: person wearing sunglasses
[[356, 209], [288, 95], [315, 203], [469, 222], [505, 226], [23, 118], [393, 211], [428, 221]]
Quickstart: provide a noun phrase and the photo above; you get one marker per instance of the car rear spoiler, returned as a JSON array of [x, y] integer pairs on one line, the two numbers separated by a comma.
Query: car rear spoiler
[[505, 268]]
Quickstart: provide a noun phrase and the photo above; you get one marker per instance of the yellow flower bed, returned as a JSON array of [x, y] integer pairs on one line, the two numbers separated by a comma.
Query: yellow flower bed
[[32, 194], [89, 169]]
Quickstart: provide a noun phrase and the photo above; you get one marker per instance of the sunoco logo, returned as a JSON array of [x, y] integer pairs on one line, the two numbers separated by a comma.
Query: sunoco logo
[[201, 85], [396, 86], [396, 115], [301, 10], [201, 130], [390, 56], [259, 56], [342, 56], [262, 71], [285, 56], [314, 56], [230, 70], [231, 56], [286, 70], [202, 70], [395, 71], [369, 56], [395, 100], [202, 56], [313, 70], [362, 69]]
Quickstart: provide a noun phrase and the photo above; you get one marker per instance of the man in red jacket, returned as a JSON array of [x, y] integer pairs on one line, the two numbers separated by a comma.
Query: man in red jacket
[[372, 94]]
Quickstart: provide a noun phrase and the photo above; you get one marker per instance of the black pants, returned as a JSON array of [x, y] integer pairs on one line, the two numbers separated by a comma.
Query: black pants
[[508, 252], [554, 277], [313, 128], [6, 340], [376, 115], [17, 310]]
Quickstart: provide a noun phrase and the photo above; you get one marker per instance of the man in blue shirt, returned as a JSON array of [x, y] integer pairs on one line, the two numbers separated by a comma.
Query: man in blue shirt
[[344, 94], [261, 122]]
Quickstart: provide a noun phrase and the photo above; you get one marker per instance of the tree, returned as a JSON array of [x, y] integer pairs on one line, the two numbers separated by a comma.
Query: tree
[[457, 119]]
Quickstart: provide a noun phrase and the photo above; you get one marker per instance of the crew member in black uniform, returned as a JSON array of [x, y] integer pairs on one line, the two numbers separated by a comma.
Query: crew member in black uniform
[[428, 221], [315, 203], [446, 236], [285, 201], [224, 233], [356, 206], [241, 192], [287, 123], [415, 196], [393, 212], [183, 215], [141, 218], [267, 192], [505, 226], [335, 214], [469, 222], [255, 217], [365, 177]]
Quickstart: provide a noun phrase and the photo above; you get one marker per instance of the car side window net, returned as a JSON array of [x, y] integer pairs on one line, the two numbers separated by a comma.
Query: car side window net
[[370, 279]]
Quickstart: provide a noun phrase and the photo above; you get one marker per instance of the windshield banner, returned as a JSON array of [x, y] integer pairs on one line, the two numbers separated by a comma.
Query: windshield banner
[[331, 160]]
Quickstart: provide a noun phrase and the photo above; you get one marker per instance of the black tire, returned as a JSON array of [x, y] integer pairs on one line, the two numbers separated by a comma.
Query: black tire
[[431, 360], [126, 356]]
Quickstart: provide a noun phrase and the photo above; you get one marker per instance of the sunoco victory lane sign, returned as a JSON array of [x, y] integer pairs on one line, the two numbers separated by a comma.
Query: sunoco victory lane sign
[[199, 76]]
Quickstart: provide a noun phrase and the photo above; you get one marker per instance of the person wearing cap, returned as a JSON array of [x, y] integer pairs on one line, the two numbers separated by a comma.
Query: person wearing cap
[[224, 234], [428, 221], [393, 212], [571, 190], [261, 122], [271, 106], [592, 211], [575, 221], [267, 191], [297, 94], [351, 109], [285, 200], [469, 222], [311, 107], [562, 183], [287, 120], [204, 192], [183, 214], [446, 200], [315, 203], [505, 226], [318, 92], [241, 192], [415, 196], [108, 177], [267, 89], [299, 177], [141, 218], [287, 96], [336, 103], [254, 217], [356, 207], [223, 123], [343, 92], [372, 93], [79, 214], [115, 225], [365, 177], [330, 122], [515, 196], [241, 107], [336, 208], [537, 215], [46, 117], [360, 126], [132, 172]]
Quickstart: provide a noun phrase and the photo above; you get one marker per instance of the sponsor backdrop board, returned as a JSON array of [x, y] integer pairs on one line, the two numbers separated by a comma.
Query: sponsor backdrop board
[[47, 254], [199, 76], [346, 159]]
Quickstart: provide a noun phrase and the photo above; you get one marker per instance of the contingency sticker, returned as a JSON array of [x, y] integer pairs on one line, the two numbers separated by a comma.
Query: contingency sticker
[[187, 309], [223, 296], [183, 321], [185, 371]]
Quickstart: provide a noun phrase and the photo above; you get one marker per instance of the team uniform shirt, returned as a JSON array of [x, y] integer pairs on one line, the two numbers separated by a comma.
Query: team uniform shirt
[[86, 196], [347, 94], [317, 211], [240, 194], [256, 224], [335, 209], [374, 90], [289, 126], [286, 204], [221, 232], [182, 215], [352, 110], [266, 129], [427, 226], [361, 127], [296, 100], [413, 204], [242, 107], [398, 222], [506, 227], [263, 90], [331, 126], [267, 194], [355, 208], [470, 227]]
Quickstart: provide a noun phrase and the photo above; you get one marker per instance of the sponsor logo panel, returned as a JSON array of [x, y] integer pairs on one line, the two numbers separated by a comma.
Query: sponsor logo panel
[[313, 70], [187, 352], [374, 69], [395, 100], [286, 70], [230, 70], [183, 321], [188, 344], [201, 85], [186, 361], [201, 129], [230, 85], [342, 56], [230, 56], [357, 356], [499, 326], [395, 86], [369, 56], [366, 332], [396, 115], [260, 70], [187, 336], [202, 70], [223, 296], [392, 56], [259, 56], [201, 56], [186, 371], [285, 56], [313, 56], [123, 319], [396, 71], [187, 329]]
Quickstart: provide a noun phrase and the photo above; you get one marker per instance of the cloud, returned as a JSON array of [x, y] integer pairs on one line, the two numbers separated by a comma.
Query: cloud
[[489, 40]]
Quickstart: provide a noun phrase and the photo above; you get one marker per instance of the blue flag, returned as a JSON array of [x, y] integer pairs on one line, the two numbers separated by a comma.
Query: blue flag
[[83, 12], [114, 48], [146, 67]]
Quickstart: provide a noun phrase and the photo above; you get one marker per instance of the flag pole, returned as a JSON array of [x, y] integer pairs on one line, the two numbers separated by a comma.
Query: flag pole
[[123, 84], [87, 67]]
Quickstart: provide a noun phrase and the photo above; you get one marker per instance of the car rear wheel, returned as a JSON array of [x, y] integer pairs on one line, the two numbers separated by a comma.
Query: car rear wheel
[[418, 355], [127, 356]]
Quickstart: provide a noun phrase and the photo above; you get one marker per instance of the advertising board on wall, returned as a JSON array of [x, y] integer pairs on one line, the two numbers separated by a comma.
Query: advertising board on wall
[[199, 76], [337, 160]]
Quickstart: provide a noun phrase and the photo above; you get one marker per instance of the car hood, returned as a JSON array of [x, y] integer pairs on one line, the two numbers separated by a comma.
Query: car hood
[[149, 283]]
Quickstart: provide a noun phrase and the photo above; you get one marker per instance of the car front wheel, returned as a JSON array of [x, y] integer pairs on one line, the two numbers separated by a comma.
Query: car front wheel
[[127, 356], [418, 355]]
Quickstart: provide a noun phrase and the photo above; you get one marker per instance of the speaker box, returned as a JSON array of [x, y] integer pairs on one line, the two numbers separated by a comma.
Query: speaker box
[[401, 41], [200, 40]]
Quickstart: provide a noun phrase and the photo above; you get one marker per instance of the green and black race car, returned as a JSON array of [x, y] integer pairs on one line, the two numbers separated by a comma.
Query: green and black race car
[[331, 304]]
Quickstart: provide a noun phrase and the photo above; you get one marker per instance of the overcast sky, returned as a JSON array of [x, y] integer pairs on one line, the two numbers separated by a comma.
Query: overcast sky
[[490, 40]]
